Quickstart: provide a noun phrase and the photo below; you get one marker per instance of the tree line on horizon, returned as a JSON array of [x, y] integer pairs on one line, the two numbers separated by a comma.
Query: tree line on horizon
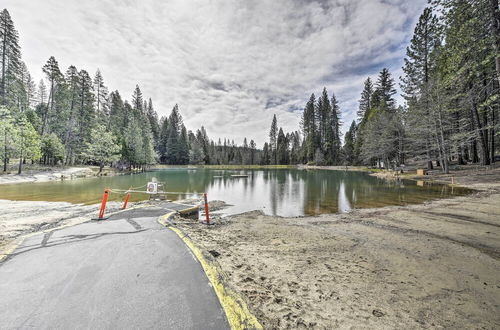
[[450, 86]]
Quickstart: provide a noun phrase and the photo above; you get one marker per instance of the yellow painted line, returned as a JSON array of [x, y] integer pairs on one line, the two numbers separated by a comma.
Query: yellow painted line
[[237, 312], [163, 219], [10, 248]]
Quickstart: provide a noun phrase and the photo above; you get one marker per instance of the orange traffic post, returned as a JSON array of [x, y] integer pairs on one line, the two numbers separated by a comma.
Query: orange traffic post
[[126, 199], [206, 208], [103, 204]]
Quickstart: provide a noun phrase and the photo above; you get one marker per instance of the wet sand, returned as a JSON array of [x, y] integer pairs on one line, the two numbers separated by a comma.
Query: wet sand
[[433, 265]]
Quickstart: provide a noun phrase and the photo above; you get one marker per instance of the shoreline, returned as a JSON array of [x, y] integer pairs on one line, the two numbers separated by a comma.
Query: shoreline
[[47, 174], [434, 264]]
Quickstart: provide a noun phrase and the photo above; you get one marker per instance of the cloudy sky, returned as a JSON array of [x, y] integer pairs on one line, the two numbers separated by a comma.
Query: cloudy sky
[[230, 65]]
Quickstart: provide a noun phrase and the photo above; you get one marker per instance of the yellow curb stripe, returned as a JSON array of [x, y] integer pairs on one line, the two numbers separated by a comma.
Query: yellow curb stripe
[[237, 311]]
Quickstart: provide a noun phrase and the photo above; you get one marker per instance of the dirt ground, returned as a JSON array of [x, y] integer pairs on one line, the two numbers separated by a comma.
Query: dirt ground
[[434, 265]]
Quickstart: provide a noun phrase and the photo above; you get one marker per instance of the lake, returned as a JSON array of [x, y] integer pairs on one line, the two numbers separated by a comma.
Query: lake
[[284, 192]]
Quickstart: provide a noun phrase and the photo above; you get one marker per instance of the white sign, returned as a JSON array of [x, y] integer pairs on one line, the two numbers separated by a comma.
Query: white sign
[[152, 188]]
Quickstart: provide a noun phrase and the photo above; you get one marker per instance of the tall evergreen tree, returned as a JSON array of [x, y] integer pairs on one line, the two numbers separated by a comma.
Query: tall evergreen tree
[[54, 76], [365, 102], [309, 128], [153, 122], [383, 96], [10, 55], [332, 133], [101, 94], [273, 136], [416, 82], [137, 100], [349, 145]]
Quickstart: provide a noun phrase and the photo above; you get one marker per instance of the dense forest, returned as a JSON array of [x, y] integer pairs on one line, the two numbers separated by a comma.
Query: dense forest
[[450, 114]]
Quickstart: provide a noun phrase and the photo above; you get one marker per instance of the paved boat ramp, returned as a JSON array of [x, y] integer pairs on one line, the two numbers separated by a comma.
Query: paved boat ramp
[[125, 272]]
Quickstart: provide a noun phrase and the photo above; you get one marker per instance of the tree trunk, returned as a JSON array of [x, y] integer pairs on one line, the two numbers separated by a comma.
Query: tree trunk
[[50, 103], [483, 143], [460, 157], [4, 54], [19, 171], [492, 136], [5, 158], [474, 156], [428, 153], [495, 26]]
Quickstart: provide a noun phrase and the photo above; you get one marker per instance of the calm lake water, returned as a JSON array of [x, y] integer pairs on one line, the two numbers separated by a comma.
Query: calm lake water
[[285, 192]]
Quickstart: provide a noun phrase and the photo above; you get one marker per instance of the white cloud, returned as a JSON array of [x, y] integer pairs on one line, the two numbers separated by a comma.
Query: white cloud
[[230, 65]]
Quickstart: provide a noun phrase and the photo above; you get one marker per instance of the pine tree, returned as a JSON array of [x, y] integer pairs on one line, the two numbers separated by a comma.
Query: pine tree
[[133, 142], [162, 145], [282, 148], [323, 118], [137, 101], [148, 151], [253, 148], [175, 148], [273, 135], [101, 94], [54, 76], [153, 122], [183, 147], [86, 113], [365, 102], [10, 53], [416, 82], [309, 128], [41, 93], [332, 133], [266, 155], [383, 96], [349, 145]]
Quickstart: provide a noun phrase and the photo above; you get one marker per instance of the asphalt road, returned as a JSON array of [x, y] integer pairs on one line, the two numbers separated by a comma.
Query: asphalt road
[[128, 272]]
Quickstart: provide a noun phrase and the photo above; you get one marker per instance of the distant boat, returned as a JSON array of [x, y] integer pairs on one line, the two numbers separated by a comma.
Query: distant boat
[[239, 175]]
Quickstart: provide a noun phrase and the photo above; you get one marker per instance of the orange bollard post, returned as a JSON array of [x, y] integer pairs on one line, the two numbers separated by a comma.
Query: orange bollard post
[[206, 209], [126, 199], [103, 204]]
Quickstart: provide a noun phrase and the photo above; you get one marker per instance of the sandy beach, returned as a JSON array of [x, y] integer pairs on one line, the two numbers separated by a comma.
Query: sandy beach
[[433, 265], [47, 174]]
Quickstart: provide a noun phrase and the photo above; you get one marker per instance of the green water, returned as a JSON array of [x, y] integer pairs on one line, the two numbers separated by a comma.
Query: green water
[[285, 192]]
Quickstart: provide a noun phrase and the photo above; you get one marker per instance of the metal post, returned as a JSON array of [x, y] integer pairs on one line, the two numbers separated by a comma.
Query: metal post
[[206, 208], [103, 204]]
